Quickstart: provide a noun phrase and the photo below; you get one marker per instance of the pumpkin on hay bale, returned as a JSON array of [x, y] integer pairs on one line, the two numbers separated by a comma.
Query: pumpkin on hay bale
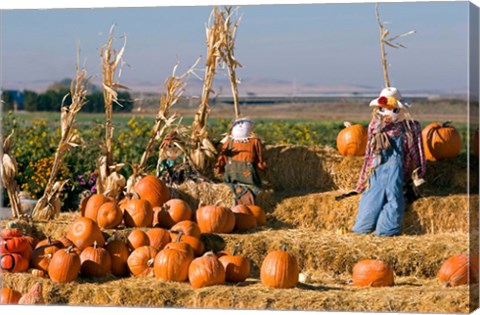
[[206, 271], [441, 141], [458, 270], [372, 273], [279, 269], [352, 140]]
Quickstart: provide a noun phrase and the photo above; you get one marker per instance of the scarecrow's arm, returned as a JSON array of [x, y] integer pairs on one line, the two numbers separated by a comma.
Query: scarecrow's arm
[[367, 160], [416, 149], [261, 165], [222, 159]]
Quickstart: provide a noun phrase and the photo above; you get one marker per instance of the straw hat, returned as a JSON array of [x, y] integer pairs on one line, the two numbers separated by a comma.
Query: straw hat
[[242, 119], [389, 98]]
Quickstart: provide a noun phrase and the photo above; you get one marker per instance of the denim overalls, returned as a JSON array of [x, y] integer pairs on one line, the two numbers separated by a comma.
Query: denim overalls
[[382, 205]]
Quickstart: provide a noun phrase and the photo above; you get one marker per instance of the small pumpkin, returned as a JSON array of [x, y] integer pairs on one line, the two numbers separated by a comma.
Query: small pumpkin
[[37, 272], [13, 263], [64, 266], [93, 205], [119, 254], [215, 219], [441, 141], [259, 214], [195, 243], [279, 269], [109, 215], [83, 232], [95, 262], [43, 254], [153, 190], [140, 262], [244, 218], [372, 273], [455, 270], [136, 239], [187, 227], [172, 262], [10, 296], [206, 271], [172, 212], [13, 245], [352, 140], [237, 268], [11, 232], [137, 212], [158, 238]]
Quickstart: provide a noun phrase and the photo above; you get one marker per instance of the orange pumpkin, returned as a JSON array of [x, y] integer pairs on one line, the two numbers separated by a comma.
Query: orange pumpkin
[[11, 232], [187, 227], [64, 266], [136, 239], [206, 271], [352, 140], [140, 262], [43, 254], [10, 296], [279, 270], [93, 205], [158, 238], [372, 273], [259, 214], [454, 271], [171, 263], [109, 215], [95, 262], [152, 189], [13, 262], [172, 212], [244, 218], [137, 212], [441, 142], [13, 245], [475, 143], [237, 268], [83, 232], [33, 241], [215, 219], [195, 243], [119, 254]]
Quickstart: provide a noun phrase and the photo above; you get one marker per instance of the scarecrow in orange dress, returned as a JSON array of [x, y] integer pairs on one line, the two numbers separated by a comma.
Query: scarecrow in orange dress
[[393, 150], [240, 160]]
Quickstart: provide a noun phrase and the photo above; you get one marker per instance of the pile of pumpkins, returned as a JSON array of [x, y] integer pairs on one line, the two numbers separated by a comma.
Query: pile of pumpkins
[[440, 141]]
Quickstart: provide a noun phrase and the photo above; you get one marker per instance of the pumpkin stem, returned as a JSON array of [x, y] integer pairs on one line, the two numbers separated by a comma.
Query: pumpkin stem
[[150, 262], [220, 201], [347, 124], [69, 249], [209, 253], [95, 244], [446, 123], [283, 248], [179, 237]]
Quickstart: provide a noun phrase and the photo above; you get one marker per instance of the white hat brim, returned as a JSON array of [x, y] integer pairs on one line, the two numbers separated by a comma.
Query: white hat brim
[[374, 103]]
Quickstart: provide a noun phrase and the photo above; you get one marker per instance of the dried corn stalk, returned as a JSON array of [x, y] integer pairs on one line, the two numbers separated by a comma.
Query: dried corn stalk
[[111, 61], [48, 204], [389, 42], [9, 171]]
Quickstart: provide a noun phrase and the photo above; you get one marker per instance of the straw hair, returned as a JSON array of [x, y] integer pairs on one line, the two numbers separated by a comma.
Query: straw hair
[[9, 171]]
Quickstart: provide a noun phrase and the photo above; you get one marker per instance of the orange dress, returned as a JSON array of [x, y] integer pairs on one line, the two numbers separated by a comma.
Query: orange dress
[[244, 151]]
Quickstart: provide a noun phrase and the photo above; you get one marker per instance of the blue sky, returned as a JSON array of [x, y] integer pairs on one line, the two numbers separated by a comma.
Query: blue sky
[[318, 44]]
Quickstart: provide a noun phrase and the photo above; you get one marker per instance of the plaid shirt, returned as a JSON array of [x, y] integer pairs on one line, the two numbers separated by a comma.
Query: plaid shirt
[[412, 149]]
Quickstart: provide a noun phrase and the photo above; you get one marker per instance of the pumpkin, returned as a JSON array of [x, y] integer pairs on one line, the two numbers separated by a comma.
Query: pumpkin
[[206, 271], [31, 240], [119, 254], [172, 212], [137, 212], [109, 215], [372, 273], [10, 296], [13, 245], [153, 190], [441, 142], [37, 272], [43, 254], [140, 262], [279, 269], [187, 227], [475, 143], [237, 268], [64, 266], [180, 245], [13, 262], [158, 238], [171, 263], [454, 271], [93, 205], [95, 262], [83, 232], [195, 243], [244, 218], [215, 219], [259, 214], [352, 140], [136, 239], [11, 232]]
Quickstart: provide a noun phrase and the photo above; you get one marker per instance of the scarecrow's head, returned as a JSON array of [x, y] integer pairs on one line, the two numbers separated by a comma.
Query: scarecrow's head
[[171, 146], [389, 105], [242, 128]]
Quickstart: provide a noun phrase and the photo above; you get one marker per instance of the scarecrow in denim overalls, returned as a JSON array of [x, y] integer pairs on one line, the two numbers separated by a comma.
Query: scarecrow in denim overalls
[[240, 159], [394, 149]]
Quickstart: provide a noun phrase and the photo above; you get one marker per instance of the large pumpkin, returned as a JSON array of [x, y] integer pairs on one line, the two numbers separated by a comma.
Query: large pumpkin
[[140, 262], [93, 205], [10, 296], [279, 270], [454, 271], [152, 189], [352, 141], [109, 215], [244, 218], [373, 273], [158, 238], [171, 263], [172, 212], [441, 141], [137, 212], [136, 239], [119, 254], [259, 214], [187, 227], [95, 262], [237, 268], [64, 266], [83, 232], [206, 271], [215, 219]]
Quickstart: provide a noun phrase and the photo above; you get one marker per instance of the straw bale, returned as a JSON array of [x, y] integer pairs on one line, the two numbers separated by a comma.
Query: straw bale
[[426, 215]]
